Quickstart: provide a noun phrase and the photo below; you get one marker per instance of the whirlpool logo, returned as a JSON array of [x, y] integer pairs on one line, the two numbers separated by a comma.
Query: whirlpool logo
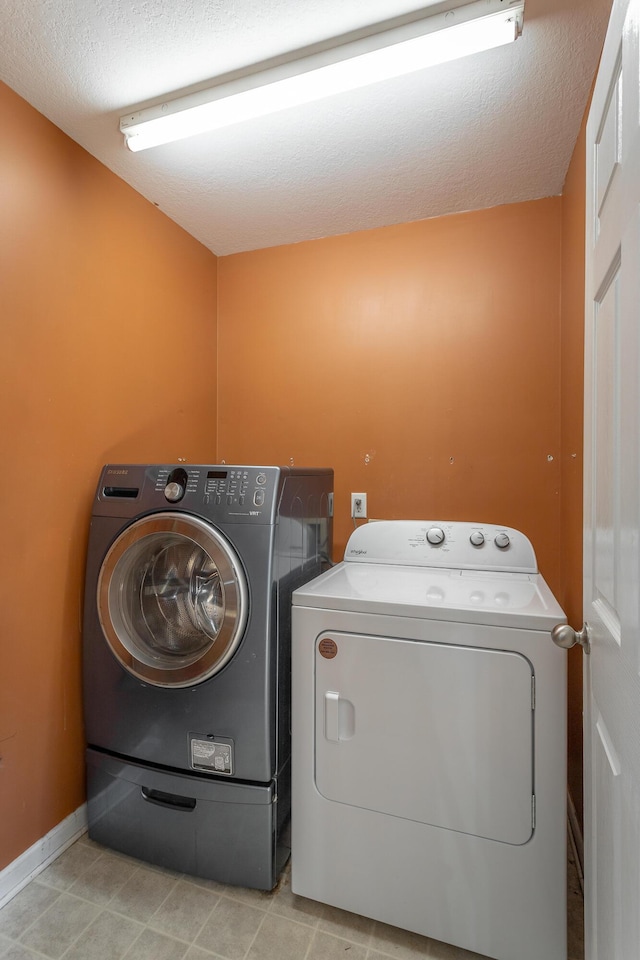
[[119, 473], [358, 553]]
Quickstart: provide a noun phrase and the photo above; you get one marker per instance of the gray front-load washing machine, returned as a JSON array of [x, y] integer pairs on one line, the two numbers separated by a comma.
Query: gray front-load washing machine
[[186, 660]]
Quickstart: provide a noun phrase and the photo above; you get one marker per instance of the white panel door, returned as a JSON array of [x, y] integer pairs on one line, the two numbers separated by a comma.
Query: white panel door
[[432, 732], [612, 499]]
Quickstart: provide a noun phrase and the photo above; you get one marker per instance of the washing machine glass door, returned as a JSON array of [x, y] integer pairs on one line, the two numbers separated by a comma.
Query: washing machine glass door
[[172, 600]]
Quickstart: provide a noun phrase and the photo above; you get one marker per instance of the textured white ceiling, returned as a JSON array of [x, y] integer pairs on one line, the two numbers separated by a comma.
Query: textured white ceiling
[[498, 127]]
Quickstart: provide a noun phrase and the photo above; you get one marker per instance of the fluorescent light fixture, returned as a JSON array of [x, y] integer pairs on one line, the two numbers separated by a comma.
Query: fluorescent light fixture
[[356, 60]]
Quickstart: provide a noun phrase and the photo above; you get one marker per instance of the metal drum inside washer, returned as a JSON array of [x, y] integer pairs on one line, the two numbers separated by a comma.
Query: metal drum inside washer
[[187, 660], [172, 600]]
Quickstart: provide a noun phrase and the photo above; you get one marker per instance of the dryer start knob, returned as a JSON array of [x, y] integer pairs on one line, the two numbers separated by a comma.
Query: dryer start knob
[[435, 536], [174, 492]]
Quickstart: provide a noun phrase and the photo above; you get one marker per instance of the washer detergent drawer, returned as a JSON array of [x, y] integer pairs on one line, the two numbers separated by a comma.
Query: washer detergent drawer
[[223, 831], [436, 733]]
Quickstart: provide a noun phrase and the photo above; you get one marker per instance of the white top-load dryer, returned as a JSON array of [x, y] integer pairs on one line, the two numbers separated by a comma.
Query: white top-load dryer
[[429, 738]]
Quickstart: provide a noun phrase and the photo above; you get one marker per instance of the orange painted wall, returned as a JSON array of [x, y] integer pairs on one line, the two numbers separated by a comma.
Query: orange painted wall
[[572, 374], [421, 361], [108, 353]]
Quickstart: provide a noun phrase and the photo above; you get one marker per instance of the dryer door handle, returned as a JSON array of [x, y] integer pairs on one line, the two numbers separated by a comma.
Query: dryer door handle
[[332, 715], [339, 717]]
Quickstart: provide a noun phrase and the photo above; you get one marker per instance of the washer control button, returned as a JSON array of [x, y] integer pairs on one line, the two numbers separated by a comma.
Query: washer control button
[[174, 491], [477, 538], [502, 540], [435, 536], [261, 479], [258, 498]]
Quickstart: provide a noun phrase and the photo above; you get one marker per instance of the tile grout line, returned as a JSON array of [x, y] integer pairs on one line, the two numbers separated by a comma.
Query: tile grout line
[[132, 945], [253, 940], [36, 953], [205, 922], [311, 943], [176, 881], [107, 906], [35, 919], [73, 943], [102, 908]]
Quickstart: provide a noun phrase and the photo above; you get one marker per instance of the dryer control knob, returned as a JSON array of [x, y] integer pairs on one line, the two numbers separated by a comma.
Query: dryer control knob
[[502, 540], [174, 492], [477, 538], [435, 536]]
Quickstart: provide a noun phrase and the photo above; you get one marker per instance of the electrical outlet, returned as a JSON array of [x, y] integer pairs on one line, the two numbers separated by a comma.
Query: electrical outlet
[[359, 506]]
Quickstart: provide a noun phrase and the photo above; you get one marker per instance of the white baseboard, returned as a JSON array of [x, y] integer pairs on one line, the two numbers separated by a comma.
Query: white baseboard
[[34, 860]]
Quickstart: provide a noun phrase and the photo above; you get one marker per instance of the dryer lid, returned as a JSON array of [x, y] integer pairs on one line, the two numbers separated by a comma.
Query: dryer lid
[[507, 600], [390, 567]]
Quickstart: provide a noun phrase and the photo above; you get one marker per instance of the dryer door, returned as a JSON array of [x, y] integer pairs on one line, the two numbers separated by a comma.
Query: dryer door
[[172, 600], [433, 732]]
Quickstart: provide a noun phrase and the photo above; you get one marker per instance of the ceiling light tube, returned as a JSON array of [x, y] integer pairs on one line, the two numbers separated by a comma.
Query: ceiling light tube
[[348, 65]]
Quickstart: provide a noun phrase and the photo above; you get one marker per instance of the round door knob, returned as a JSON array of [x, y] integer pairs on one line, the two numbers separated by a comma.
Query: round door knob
[[563, 635], [435, 536], [502, 540], [477, 538], [174, 491]]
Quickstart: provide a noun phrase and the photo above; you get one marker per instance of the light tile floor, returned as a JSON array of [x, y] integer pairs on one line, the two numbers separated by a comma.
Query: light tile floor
[[93, 904]]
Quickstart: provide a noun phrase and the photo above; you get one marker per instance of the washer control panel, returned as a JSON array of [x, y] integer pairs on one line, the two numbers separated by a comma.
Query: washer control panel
[[452, 544], [235, 490], [245, 494]]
